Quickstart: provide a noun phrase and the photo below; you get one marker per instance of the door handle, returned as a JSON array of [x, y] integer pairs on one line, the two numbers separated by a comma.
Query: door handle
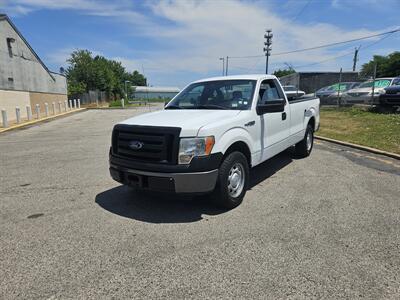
[[283, 116]]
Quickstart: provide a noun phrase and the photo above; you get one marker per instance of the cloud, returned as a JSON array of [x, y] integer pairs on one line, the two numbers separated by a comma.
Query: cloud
[[201, 32], [59, 58], [120, 9]]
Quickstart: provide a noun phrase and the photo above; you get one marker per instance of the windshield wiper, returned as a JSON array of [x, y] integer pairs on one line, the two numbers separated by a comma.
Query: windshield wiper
[[210, 106], [173, 107]]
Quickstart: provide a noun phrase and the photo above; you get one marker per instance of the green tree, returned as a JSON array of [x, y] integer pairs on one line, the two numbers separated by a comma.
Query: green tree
[[280, 73], [387, 66], [85, 73]]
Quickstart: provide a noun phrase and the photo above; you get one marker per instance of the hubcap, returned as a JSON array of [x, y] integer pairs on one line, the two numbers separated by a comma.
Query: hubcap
[[309, 140], [236, 179]]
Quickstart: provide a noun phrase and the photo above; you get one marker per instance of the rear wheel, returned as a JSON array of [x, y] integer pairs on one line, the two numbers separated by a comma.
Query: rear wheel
[[304, 147], [233, 180]]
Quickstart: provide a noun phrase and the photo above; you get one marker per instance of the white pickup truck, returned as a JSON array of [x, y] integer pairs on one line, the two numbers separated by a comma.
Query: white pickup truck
[[209, 136]]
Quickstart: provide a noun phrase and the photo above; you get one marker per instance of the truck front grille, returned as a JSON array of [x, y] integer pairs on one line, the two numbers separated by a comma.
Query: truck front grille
[[146, 143]]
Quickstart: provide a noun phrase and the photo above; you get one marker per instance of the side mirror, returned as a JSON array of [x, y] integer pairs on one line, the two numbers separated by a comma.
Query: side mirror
[[271, 107], [290, 98]]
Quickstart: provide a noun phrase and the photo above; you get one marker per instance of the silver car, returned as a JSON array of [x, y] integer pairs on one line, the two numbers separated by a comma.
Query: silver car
[[368, 91], [331, 94]]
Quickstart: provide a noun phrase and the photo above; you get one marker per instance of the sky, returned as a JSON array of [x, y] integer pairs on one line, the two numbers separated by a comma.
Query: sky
[[175, 42]]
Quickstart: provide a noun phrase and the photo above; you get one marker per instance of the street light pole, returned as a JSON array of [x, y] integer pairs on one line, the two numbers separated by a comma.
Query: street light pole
[[223, 65], [226, 67], [126, 90], [267, 49]]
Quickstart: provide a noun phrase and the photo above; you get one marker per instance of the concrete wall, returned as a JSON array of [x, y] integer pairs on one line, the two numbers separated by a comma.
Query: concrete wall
[[42, 98], [9, 100], [12, 99], [20, 68]]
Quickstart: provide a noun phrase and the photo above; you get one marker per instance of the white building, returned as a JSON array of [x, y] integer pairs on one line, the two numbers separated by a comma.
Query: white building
[[151, 92], [24, 78]]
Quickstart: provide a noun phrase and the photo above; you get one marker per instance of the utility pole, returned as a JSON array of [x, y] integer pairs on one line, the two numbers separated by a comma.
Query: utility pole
[[373, 84], [267, 49], [226, 69], [355, 59], [338, 92], [223, 65]]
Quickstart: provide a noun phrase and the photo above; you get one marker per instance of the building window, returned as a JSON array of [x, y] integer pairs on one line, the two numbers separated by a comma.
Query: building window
[[9, 46], [10, 79]]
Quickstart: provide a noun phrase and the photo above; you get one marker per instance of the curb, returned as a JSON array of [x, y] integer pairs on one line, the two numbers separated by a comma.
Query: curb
[[111, 108], [359, 147], [126, 107], [33, 122]]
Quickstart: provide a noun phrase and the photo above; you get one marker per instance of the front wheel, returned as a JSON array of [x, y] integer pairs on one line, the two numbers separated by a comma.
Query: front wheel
[[233, 178], [304, 147]]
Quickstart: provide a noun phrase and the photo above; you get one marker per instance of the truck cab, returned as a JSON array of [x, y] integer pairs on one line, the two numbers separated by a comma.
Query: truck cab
[[209, 136]]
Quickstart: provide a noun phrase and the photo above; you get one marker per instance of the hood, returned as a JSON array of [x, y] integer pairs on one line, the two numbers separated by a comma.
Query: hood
[[393, 88], [364, 90], [190, 120]]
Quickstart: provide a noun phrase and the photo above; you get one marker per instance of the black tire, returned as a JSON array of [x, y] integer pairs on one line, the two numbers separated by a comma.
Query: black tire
[[222, 194], [302, 149]]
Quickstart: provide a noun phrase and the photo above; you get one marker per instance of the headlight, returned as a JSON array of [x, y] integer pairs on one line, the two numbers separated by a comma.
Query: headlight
[[376, 93], [191, 147]]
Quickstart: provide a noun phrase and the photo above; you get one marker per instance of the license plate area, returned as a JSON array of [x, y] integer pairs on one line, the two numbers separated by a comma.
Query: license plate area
[[134, 180]]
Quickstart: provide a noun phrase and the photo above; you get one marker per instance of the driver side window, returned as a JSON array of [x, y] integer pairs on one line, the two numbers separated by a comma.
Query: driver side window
[[268, 92]]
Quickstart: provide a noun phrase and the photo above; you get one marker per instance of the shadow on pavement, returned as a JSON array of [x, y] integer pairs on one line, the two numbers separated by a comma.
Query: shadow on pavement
[[270, 167], [170, 208], [156, 207]]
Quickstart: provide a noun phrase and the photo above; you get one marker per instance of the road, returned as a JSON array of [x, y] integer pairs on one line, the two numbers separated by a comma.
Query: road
[[322, 227]]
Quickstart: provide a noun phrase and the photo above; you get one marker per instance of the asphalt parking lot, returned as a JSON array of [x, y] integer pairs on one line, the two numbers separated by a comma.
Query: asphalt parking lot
[[323, 227]]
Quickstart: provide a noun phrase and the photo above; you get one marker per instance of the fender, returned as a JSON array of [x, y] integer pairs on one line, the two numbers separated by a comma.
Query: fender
[[232, 135], [308, 114]]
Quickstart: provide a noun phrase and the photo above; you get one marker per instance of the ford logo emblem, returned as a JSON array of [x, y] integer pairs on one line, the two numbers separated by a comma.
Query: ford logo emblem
[[136, 145]]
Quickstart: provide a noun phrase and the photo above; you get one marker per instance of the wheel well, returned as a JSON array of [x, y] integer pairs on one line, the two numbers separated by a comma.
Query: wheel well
[[312, 122], [241, 147]]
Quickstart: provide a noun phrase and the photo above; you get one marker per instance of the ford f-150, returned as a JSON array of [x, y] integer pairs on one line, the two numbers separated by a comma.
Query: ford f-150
[[209, 136]]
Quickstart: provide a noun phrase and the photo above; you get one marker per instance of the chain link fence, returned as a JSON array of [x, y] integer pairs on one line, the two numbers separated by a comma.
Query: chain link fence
[[91, 98], [344, 88]]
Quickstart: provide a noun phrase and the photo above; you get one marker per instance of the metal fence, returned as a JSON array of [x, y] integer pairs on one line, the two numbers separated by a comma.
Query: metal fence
[[92, 97], [342, 88]]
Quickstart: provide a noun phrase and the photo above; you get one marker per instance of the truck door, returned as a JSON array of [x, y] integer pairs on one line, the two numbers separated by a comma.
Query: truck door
[[274, 125]]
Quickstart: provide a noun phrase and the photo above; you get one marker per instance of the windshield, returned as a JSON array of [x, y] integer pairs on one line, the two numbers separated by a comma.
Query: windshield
[[344, 86], [379, 83], [219, 94]]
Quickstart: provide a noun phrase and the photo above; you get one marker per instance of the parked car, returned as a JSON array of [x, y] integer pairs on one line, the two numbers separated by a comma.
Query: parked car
[[331, 93], [363, 93], [390, 97], [208, 137], [292, 92]]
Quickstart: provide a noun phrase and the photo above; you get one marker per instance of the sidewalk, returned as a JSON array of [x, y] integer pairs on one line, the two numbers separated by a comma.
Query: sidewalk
[[36, 121]]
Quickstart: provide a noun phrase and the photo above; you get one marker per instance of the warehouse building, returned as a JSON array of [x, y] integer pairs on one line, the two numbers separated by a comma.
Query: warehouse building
[[313, 81], [152, 92], [24, 78]]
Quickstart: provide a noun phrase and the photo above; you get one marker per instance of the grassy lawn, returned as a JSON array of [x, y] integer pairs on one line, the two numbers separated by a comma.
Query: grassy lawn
[[381, 131]]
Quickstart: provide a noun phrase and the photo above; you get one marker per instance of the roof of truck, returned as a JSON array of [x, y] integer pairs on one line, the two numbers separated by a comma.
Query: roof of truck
[[239, 77]]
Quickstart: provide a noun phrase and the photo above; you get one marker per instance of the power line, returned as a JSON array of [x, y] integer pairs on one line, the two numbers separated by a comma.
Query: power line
[[323, 46], [343, 55]]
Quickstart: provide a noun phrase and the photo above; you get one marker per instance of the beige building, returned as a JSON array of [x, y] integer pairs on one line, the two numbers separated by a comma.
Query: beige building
[[24, 78]]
